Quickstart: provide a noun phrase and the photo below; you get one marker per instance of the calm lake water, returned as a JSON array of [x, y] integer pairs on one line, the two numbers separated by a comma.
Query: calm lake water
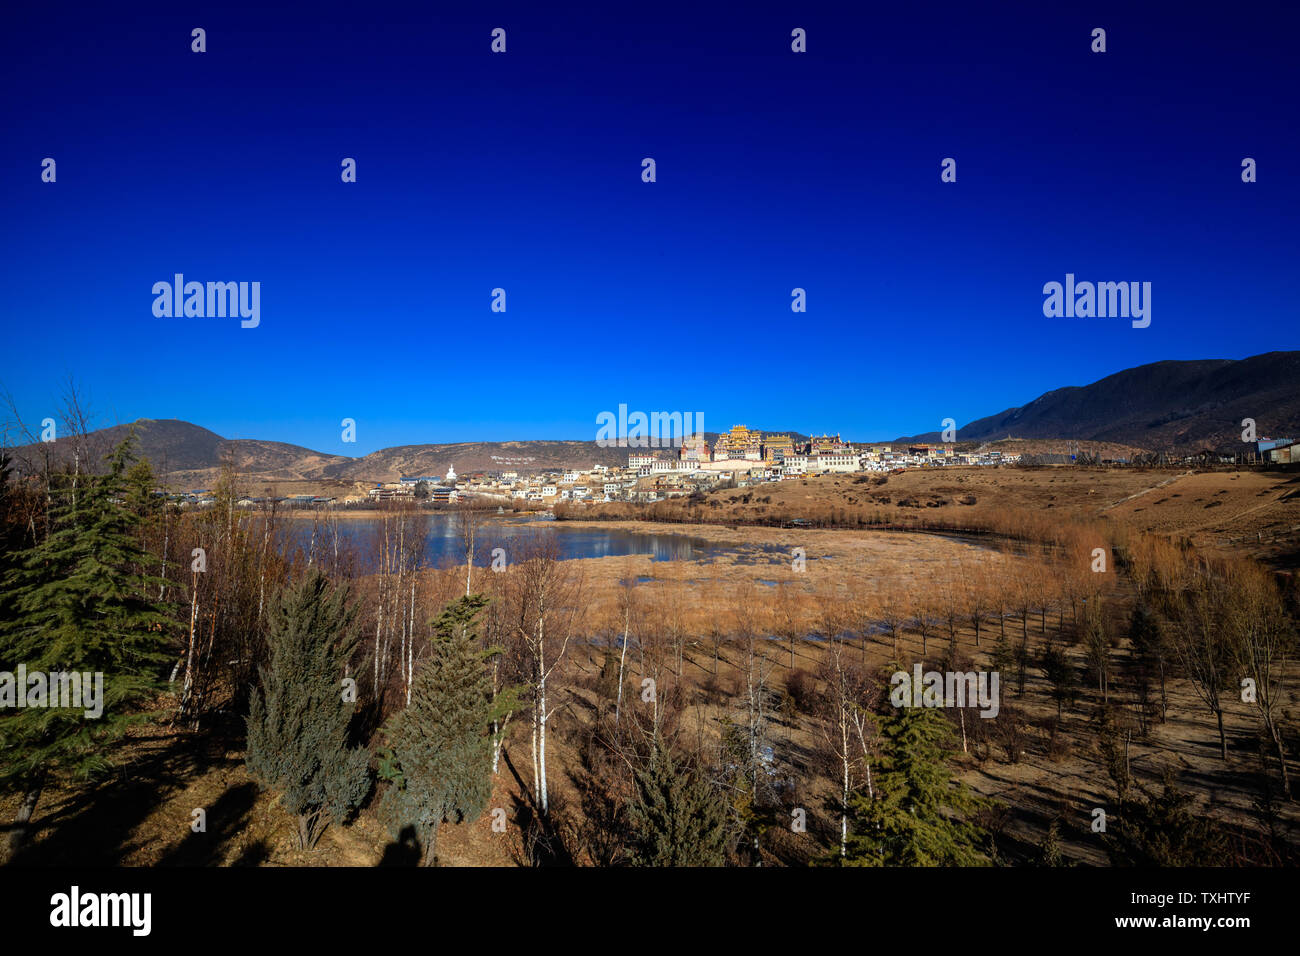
[[443, 545]]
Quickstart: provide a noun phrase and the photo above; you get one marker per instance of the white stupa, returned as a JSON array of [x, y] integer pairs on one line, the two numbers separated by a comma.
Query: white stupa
[[451, 473]]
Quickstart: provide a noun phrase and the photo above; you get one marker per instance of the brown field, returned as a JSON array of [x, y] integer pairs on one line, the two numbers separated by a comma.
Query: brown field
[[1036, 767], [1058, 774], [1250, 512]]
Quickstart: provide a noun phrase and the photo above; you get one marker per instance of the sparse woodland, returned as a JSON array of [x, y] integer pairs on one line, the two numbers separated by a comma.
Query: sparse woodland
[[572, 712]]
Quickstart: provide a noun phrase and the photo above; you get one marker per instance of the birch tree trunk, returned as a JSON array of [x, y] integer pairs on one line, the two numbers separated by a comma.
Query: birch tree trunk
[[189, 657], [541, 705], [844, 796], [498, 740], [536, 777], [622, 658]]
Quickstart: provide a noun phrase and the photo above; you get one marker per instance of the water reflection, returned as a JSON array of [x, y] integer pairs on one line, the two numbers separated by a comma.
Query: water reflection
[[444, 545]]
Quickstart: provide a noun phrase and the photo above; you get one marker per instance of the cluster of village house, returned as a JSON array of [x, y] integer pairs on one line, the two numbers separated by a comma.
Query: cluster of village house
[[740, 458]]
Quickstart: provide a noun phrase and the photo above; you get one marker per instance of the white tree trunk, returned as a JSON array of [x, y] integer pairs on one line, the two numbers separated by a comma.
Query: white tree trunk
[[498, 740], [536, 778], [844, 798], [542, 749], [622, 658], [189, 657]]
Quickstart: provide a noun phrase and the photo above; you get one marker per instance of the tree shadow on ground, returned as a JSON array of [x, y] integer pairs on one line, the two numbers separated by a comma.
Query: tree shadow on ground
[[540, 842], [96, 824], [225, 820]]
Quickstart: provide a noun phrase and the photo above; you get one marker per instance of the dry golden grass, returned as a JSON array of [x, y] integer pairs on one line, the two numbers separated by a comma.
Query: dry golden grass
[[852, 577], [1256, 513]]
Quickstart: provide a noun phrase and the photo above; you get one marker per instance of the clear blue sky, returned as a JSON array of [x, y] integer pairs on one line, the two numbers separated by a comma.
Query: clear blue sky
[[522, 171]]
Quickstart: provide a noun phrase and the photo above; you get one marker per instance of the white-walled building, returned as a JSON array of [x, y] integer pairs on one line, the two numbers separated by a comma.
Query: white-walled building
[[795, 465], [836, 463]]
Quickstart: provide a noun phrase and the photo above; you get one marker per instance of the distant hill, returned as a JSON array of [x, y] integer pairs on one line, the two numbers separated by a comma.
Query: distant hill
[[1165, 406], [389, 464], [192, 456], [187, 452], [522, 456]]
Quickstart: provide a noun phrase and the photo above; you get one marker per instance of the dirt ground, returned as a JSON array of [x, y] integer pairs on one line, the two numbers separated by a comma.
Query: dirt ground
[[141, 814], [1251, 512]]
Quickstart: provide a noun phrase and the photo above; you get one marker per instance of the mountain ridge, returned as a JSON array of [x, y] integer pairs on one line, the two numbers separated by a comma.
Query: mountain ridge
[[1171, 405]]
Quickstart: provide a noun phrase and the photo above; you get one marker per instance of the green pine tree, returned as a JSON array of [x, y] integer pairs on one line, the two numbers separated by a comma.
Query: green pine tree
[[77, 602], [441, 750], [1004, 658], [1060, 673], [916, 815], [12, 529], [298, 718], [1150, 657], [1049, 850], [677, 817], [139, 484], [1164, 829]]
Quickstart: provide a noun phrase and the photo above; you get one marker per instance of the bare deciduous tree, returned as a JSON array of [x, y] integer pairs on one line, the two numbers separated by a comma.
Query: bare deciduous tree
[[547, 603]]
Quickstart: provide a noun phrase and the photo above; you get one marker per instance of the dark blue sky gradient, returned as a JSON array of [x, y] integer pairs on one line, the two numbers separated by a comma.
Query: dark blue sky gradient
[[522, 170]]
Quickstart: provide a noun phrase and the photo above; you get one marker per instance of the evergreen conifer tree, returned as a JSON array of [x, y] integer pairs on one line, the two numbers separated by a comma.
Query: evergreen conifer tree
[[1004, 659], [916, 816], [12, 532], [298, 718], [77, 602], [1164, 829], [440, 746], [1049, 850], [677, 818], [1060, 673]]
